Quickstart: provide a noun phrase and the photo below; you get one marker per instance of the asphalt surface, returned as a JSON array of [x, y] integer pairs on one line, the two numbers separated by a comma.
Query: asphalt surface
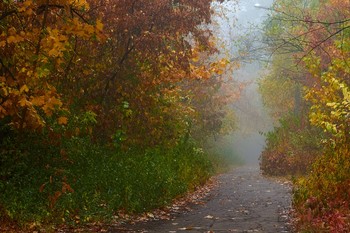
[[243, 201]]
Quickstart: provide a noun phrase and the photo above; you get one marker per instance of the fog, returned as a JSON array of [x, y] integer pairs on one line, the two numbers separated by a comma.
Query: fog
[[237, 25]]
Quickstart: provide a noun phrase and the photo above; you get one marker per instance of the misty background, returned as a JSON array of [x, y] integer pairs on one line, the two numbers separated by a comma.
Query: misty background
[[238, 24]]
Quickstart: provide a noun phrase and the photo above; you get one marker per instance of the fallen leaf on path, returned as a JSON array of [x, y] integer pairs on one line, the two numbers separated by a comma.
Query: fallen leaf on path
[[178, 206], [185, 228]]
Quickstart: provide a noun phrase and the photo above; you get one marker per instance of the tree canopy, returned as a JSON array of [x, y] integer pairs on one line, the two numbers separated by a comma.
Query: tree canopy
[[316, 35]]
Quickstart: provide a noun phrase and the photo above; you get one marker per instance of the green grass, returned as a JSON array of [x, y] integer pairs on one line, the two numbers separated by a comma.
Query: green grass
[[94, 181]]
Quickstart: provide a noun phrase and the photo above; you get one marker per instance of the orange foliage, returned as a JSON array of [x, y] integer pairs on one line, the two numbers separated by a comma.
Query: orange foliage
[[62, 58], [35, 38]]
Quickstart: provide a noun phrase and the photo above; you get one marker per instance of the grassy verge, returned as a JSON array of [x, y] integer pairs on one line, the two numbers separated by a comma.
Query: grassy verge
[[76, 181]]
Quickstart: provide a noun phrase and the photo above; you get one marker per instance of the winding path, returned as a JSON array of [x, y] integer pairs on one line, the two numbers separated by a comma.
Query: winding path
[[243, 201]]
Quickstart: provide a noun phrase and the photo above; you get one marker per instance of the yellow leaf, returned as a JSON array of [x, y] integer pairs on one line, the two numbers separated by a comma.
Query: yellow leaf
[[219, 72], [99, 25], [11, 39], [54, 52], [54, 102], [29, 11], [4, 91], [24, 102], [24, 88], [195, 59], [22, 9], [62, 120], [27, 3], [38, 101], [90, 29]]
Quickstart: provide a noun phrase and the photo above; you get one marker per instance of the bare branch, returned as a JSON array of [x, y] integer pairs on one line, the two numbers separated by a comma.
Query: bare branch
[[323, 41]]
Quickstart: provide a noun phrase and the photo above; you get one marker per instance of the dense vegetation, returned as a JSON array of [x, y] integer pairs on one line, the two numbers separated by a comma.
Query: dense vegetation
[[105, 106], [315, 36]]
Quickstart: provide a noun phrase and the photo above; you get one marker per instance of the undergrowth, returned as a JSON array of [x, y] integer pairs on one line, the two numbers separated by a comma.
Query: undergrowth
[[321, 199], [321, 175], [77, 181], [291, 148]]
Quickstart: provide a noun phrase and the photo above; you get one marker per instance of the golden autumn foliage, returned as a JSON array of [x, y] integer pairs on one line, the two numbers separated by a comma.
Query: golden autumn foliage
[[70, 57], [98, 95], [316, 34], [35, 40]]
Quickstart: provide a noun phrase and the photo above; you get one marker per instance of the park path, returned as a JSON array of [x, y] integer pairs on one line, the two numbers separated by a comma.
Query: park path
[[243, 201]]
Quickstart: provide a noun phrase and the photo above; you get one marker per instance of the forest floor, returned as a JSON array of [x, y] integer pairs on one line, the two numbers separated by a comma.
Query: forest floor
[[241, 200]]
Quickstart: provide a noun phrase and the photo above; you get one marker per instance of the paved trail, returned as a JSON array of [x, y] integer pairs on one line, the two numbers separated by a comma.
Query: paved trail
[[244, 201]]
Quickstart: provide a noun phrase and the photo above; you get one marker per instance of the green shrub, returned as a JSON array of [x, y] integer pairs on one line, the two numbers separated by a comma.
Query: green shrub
[[76, 181]]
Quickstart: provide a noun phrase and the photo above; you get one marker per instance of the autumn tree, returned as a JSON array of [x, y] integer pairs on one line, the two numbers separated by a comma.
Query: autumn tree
[[136, 83], [116, 64], [98, 95], [316, 34]]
